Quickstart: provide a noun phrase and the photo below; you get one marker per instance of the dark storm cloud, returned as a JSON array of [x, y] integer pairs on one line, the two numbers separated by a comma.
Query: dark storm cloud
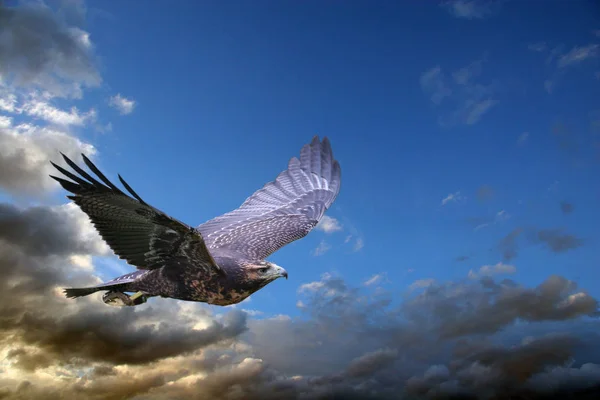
[[36, 47], [487, 307], [371, 362], [45, 231], [351, 342], [118, 338], [25, 158], [34, 247], [500, 372], [508, 245], [557, 241]]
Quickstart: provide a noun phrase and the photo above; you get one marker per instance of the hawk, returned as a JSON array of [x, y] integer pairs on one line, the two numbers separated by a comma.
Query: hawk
[[222, 261]]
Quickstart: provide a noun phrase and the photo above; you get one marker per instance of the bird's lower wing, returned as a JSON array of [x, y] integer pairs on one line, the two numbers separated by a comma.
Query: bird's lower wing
[[283, 210], [137, 232]]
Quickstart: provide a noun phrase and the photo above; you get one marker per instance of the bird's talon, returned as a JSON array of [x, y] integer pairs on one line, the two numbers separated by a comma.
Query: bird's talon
[[120, 299]]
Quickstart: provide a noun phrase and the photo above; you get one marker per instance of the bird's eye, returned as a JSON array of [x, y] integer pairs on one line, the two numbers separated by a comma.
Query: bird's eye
[[263, 270]]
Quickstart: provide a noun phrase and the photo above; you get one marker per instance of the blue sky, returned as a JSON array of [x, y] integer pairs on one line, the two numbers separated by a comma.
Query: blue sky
[[419, 102], [468, 134]]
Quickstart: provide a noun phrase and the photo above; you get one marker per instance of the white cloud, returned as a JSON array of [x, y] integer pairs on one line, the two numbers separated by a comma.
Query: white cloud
[[375, 279], [40, 50], [562, 61], [477, 109], [453, 197], [24, 162], [549, 85], [328, 225], [322, 248], [500, 216], [421, 284], [489, 270], [8, 101], [578, 55], [465, 75], [315, 285], [432, 81], [469, 9], [523, 137], [43, 110], [5, 122], [358, 245], [537, 47], [123, 105], [461, 99]]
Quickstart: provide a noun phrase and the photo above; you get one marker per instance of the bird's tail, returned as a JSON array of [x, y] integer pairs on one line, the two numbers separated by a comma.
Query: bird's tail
[[80, 292]]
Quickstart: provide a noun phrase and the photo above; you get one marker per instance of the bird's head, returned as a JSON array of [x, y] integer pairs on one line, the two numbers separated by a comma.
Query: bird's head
[[264, 272]]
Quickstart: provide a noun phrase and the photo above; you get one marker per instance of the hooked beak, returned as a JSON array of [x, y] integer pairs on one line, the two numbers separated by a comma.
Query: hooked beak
[[280, 272]]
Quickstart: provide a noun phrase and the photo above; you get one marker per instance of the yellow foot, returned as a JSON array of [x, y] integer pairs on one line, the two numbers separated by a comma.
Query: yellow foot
[[120, 299]]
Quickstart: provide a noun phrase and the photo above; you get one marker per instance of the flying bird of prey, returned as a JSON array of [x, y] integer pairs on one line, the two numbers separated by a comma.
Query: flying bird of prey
[[220, 262]]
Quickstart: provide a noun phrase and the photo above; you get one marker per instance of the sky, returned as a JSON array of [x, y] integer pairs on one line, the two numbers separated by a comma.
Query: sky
[[458, 259]]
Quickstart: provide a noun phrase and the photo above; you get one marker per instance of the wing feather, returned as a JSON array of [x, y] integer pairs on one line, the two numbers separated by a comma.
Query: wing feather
[[137, 232], [283, 210]]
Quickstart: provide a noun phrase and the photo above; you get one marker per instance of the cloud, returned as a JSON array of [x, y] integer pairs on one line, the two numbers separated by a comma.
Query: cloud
[[523, 138], [24, 164], [44, 231], [421, 284], [469, 9], [518, 372], [489, 270], [557, 241], [123, 105], [359, 243], [37, 50], [471, 336], [453, 198], [492, 305], [485, 192], [37, 245], [484, 222], [350, 342], [43, 59], [355, 238], [578, 55], [566, 207], [329, 225], [432, 82], [321, 249], [44, 111], [508, 244], [553, 239], [375, 279], [538, 47], [462, 99], [562, 61]]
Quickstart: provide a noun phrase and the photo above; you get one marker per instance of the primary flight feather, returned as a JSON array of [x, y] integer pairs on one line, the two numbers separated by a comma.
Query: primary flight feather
[[220, 262]]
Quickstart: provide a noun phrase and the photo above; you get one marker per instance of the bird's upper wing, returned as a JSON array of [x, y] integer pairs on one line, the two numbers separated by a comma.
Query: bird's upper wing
[[137, 232], [282, 211]]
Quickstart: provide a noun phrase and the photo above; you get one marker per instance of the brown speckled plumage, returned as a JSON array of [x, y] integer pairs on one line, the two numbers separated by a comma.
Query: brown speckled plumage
[[221, 261]]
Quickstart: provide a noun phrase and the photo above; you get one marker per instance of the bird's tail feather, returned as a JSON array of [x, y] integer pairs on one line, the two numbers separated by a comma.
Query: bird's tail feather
[[80, 292]]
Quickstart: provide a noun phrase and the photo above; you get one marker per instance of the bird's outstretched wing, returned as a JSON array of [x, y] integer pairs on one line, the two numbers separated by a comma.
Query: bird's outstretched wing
[[282, 211], [137, 232]]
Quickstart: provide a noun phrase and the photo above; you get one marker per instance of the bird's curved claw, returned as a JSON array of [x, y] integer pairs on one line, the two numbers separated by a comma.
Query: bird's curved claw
[[120, 299]]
